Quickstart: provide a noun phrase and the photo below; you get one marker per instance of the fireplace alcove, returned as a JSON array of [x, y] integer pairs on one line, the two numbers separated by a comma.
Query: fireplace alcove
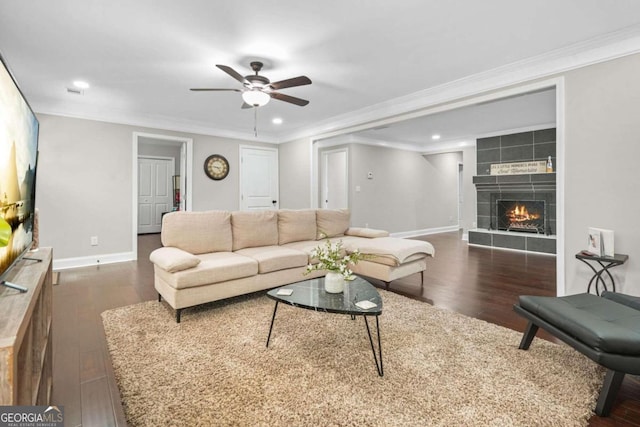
[[530, 146], [536, 188]]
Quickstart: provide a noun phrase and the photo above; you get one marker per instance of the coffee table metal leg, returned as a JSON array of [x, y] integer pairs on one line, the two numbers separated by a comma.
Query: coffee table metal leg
[[272, 319], [377, 357]]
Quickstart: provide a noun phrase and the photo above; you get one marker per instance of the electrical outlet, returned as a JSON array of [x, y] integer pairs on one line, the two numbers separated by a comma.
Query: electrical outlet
[[94, 240]]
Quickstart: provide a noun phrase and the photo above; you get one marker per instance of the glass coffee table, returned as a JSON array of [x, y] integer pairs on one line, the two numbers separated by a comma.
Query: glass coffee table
[[310, 294]]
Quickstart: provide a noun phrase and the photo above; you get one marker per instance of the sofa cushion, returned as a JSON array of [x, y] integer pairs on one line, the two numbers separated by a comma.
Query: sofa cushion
[[369, 233], [598, 322], [274, 258], [197, 232], [296, 225], [173, 259], [332, 222], [254, 228], [624, 299], [213, 268], [305, 246]]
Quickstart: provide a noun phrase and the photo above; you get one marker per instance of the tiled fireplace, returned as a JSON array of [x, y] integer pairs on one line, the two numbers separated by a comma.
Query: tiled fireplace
[[516, 211]]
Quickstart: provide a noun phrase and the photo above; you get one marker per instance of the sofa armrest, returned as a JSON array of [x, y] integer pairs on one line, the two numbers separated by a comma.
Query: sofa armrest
[[628, 300], [366, 232], [173, 259]]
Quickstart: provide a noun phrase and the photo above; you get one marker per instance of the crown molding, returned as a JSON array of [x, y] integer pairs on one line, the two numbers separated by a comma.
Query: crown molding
[[599, 49], [159, 123]]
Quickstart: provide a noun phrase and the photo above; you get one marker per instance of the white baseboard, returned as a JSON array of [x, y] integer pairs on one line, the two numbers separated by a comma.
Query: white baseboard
[[424, 232], [86, 261]]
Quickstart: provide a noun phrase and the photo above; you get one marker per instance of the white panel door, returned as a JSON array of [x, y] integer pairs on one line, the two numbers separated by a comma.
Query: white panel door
[[258, 178], [334, 179], [154, 193]]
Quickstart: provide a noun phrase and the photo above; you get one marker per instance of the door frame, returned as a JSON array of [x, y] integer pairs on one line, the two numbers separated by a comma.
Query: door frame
[[242, 147], [169, 178], [188, 142], [460, 200], [324, 165]]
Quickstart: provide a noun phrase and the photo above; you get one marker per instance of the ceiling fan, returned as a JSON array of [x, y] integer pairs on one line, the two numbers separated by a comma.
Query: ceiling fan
[[258, 90]]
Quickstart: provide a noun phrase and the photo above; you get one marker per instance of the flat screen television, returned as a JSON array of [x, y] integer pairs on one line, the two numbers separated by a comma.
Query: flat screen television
[[19, 129]]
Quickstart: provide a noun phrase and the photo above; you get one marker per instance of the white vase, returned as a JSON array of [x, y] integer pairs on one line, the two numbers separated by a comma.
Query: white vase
[[333, 282]]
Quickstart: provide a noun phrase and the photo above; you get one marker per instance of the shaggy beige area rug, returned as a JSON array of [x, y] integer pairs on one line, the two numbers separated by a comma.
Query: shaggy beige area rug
[[440, 368]]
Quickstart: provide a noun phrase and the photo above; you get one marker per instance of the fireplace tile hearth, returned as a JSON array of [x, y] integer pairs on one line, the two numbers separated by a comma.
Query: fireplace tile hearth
[[517, 241]]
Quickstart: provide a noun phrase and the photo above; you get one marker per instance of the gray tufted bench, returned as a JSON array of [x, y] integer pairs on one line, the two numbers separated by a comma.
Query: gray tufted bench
[[604, 328]]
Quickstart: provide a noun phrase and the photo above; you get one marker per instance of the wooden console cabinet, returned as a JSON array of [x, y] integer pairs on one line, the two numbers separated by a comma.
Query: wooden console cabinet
[[26, 356]]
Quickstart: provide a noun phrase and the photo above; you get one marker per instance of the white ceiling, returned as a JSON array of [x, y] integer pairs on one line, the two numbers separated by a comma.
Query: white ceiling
[[141, 57]]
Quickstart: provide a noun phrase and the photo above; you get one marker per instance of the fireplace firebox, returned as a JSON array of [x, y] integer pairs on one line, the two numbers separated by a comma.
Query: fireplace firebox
[[521, 215]]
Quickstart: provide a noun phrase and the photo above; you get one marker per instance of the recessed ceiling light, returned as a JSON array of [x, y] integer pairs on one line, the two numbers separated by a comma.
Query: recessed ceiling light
[[435, 137], [277, 121], [81, 85]]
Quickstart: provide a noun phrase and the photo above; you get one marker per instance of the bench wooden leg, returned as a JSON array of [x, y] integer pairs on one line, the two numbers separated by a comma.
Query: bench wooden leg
[[178, 312], [159, 298], [528, 336], [609, 391]]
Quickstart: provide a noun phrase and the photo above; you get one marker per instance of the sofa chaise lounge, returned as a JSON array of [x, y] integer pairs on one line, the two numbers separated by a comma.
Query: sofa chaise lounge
[[213, 255]]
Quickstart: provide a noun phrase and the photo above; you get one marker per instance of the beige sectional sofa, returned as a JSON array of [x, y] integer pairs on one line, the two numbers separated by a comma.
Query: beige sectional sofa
[[208, 256]]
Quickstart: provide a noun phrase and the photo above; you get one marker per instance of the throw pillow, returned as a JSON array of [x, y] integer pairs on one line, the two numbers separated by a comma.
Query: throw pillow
[[296, 225], [332, 222], [198, 232], [254, 228], [173, 259]]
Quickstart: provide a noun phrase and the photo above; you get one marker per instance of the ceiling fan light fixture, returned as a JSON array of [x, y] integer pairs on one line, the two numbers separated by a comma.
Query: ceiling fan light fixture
[[255, 98]]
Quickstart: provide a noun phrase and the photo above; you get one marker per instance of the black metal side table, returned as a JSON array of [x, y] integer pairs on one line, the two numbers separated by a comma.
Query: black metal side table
[[605, 263]]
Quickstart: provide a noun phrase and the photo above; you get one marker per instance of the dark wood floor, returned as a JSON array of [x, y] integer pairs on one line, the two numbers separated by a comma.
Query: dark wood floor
[[478, 282]]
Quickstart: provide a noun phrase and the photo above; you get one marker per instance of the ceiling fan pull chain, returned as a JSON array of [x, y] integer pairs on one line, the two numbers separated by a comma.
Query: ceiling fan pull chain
[[255, 121]]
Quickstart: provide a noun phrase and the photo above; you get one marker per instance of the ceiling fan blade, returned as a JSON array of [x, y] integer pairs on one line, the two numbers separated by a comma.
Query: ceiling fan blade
[[290, 99], [295, 81], [213, 90], [245, 105], [233, 73]]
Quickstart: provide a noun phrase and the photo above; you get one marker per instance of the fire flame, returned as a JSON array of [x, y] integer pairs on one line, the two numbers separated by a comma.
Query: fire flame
[[520, 214]]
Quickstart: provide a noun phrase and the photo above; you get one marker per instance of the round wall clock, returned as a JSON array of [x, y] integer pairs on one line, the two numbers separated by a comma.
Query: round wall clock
[[216, 167]]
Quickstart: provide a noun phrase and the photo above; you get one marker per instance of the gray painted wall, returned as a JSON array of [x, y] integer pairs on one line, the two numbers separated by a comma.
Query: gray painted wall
[[84, 186], [295, 190], [295, 174], [408, 191], [602, 154], [84, 183]]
